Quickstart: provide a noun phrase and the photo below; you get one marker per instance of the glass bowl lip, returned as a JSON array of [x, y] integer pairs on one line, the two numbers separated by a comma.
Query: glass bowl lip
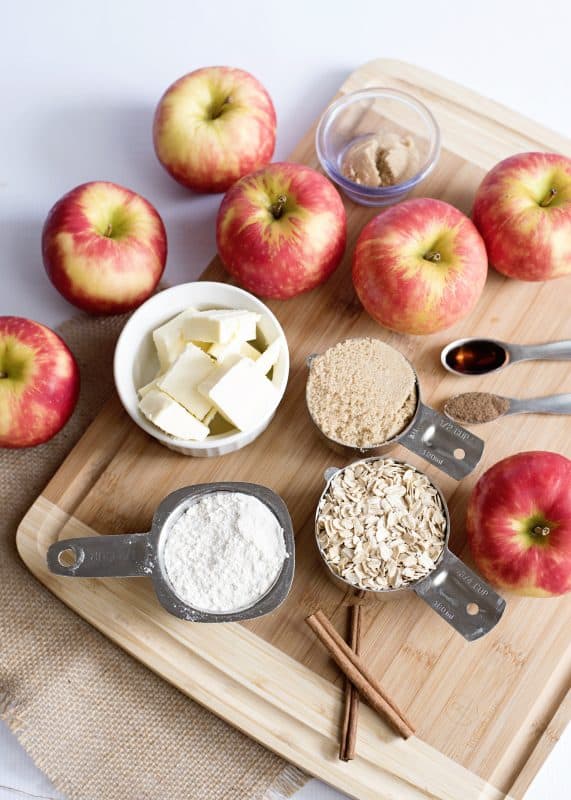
[[352, 187]]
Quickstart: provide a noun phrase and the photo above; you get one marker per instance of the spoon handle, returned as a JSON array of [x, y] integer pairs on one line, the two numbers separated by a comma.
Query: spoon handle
[[550, 404], [550, 351]]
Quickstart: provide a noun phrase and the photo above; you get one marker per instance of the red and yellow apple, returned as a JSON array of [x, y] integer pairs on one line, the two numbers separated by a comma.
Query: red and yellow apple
[[519, 524], [39, 383], [104, 247], [523, 211], [282, 230], [213, 126], [419, 266]]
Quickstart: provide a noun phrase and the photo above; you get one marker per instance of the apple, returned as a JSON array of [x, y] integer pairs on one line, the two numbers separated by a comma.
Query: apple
[[519, 524], [282, 230], [419, 266], [213, 126], [104, 247], [39, 383], [523, 211]]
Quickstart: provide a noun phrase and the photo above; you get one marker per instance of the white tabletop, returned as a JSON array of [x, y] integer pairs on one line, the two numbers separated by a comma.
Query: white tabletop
[[79, 85]]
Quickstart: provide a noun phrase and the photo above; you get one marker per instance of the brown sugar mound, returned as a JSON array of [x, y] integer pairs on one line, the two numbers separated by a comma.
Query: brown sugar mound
[[361, 392]]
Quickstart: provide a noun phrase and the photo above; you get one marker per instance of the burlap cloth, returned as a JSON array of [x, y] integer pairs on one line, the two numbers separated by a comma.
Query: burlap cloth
[[101, 725]]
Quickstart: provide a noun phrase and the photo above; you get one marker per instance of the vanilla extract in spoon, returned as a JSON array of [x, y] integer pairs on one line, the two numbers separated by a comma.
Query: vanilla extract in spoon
[[476, 357]]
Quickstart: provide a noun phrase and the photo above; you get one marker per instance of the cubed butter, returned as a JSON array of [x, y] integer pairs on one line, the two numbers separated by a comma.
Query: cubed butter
[[181, 380], [169, 339], [210, 416], [269, 357], [220, 326], [203, 345], [247, 322], [235, 345], [240, 392], [147, 387], [171, 417]]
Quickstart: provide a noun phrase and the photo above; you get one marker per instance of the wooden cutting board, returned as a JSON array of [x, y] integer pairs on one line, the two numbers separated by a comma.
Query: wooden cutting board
[[488, 712]]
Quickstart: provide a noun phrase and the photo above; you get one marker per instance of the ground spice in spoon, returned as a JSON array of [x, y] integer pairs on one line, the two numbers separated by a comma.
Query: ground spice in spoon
[[474, 408]]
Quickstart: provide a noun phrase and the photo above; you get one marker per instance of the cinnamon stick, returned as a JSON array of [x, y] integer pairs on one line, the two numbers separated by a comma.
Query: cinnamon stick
[[351, 715], [353, 668]]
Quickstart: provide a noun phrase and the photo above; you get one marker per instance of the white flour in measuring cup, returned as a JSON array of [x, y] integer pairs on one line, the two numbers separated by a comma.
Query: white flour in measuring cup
[[224, 552]]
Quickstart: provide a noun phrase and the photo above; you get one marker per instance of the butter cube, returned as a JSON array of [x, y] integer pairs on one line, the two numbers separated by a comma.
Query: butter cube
[[203, 345], [220, 326], [210, 416], [147, 387], [269, 357], [180, 381], [240, 392], [235, 345], [247, 323], [219, 372], [171, 417], [169, 339]]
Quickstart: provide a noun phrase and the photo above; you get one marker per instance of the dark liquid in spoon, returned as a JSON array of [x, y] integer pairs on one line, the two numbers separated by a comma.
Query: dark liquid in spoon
[[476, 357]]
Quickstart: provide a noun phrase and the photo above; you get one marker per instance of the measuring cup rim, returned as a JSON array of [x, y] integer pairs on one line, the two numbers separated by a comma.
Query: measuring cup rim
[[370, 447], [412, 586]]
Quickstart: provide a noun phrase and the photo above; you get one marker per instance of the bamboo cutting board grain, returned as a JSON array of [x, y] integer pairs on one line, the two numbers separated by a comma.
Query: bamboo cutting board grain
[[487, 713]]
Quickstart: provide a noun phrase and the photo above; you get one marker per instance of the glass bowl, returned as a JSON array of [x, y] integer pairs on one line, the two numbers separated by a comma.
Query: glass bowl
[[368, 112]]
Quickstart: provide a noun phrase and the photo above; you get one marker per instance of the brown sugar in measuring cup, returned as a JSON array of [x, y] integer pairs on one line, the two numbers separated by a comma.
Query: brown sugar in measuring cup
[[422, 430]]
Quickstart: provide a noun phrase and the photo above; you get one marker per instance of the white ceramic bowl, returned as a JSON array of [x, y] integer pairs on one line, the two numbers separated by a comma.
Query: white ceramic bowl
[[136, 362]]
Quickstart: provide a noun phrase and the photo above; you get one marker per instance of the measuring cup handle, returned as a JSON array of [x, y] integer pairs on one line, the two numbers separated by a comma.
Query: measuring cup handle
[[443, 443], [116, 556], [461, 597]]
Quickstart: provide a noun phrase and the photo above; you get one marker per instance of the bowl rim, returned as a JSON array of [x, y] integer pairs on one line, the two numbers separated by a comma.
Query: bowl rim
[[396, 189], [123, 381]]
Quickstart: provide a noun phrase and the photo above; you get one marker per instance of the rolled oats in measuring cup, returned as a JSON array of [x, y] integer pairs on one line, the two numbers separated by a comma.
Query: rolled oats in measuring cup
[[364, 397], [382, 527]]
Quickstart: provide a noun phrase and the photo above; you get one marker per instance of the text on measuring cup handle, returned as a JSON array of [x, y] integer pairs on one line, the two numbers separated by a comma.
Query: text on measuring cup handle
[[460, 433]]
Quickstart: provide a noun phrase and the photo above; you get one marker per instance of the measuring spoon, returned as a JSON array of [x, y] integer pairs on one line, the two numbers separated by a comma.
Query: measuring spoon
[[478, 356], [549, 404]]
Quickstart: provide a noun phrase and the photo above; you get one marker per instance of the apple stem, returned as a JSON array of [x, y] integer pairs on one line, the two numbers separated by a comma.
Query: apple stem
[[433, 255], [542, 530], [548, 197], [108, 230], [3, 375], [217, 111], [277, 209]]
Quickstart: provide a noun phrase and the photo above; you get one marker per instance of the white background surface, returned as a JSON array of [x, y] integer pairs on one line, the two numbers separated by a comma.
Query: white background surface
[[79, 82]]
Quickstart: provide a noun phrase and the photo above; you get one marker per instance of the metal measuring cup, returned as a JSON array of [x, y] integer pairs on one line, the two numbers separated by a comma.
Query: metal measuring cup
[[135, 555], [452, 589], [429, 434]]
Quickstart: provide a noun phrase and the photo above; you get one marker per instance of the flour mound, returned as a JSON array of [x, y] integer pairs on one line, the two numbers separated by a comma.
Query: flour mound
[[224, 552]]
